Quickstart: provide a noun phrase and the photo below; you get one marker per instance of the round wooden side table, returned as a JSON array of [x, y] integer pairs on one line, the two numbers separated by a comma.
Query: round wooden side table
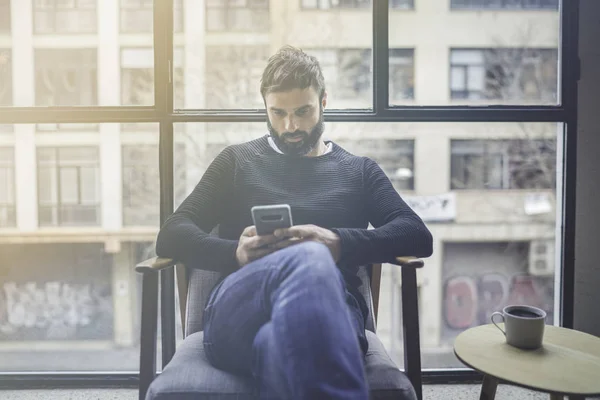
[[568, 363]]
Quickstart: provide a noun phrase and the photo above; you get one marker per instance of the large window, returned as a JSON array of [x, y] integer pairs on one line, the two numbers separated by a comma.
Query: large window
[[527, 75], [503, 164], [237, 15], [60, 16], [4, 16], [5, 78], [137, 16], [505, 4], [472, 136], [66, 77], [7, 188], [68, 186]]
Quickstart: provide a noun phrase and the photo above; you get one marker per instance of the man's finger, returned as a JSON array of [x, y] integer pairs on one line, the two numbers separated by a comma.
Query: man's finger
[[249, 231], [282, 244], [262, 240], [299, 231]]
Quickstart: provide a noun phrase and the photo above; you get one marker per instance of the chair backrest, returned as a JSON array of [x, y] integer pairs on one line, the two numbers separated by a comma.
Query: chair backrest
[[201, 282]]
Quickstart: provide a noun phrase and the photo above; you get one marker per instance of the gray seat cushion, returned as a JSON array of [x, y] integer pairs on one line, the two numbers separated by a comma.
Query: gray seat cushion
[[190, 376]]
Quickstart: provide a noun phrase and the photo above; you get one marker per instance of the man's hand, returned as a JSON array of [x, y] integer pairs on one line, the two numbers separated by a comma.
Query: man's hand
[[252, 246], [302, 233]]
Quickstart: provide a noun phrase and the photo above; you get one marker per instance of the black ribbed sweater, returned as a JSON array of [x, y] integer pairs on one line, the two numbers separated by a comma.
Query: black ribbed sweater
[[337, 190]]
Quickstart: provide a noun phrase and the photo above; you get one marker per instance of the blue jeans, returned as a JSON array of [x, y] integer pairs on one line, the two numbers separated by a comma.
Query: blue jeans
[[283, 320]]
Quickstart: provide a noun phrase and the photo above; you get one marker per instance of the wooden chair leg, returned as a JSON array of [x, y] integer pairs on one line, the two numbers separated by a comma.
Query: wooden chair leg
[[148, 332], [410, 322], [488, 388]]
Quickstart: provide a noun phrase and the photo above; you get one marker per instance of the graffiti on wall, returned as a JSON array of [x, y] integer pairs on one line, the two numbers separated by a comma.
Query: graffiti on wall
[[55, 310], [470, 300]]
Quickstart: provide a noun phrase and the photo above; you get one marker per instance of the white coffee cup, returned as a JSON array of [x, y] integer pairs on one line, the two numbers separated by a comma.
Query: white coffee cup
[[524, 326]]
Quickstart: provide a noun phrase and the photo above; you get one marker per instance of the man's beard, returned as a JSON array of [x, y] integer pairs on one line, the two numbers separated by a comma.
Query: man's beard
[[302, 147]]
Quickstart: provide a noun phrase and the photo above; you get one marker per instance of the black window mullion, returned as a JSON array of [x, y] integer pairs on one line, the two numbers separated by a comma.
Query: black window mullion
[[381, 58], [163, 98], [570, 75]]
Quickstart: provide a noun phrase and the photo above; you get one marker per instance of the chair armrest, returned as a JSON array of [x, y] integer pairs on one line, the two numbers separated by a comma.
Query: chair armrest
[[409, 262], [155, 264]]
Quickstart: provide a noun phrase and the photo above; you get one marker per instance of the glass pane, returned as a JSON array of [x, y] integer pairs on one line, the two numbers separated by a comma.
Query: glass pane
[[56, 16], [71, 62], [69, 186], [77, 155], [494, 236], [227, 74], [137, 16], [89, 185], [477, 52], [5, 16], [6, 91], [6, 182], [70, 299], [47, 184], [66, 77], [141, 182], [137, 76], [7, 185]]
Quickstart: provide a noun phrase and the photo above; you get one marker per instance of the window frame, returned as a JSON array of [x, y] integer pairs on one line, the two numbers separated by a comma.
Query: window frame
[[162, 112]]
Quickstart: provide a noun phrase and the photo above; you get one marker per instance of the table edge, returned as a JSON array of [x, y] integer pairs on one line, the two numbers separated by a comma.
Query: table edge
[[504, 381]]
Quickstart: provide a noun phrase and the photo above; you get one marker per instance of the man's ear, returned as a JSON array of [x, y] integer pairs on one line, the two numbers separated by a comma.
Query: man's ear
[[324, 100]]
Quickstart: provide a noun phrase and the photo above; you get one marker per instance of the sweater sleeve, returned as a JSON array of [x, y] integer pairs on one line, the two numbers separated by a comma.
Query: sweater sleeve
[[185, 235], [398, 230]]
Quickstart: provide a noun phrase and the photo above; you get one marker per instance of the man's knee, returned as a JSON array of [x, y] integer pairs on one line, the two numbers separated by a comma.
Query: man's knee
[[310, 251], [314, 259]]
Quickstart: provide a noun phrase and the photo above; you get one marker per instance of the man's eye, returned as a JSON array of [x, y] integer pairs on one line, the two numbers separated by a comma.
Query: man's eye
[[300, 113], [279, 113]]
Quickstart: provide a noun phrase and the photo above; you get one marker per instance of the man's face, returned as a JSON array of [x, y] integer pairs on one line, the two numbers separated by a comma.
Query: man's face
[[295, 120]]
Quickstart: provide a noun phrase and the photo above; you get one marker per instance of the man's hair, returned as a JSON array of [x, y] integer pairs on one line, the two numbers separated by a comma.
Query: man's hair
[[291, 68]]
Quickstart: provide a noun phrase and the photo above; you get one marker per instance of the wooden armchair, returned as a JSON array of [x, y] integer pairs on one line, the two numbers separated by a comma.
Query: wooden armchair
[[188, 375]]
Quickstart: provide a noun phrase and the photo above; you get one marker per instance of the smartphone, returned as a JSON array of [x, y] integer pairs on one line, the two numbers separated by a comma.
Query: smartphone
[[268, 218]]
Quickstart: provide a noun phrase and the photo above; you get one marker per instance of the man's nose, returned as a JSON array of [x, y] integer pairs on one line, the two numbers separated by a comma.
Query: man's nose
[[291, 124]]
